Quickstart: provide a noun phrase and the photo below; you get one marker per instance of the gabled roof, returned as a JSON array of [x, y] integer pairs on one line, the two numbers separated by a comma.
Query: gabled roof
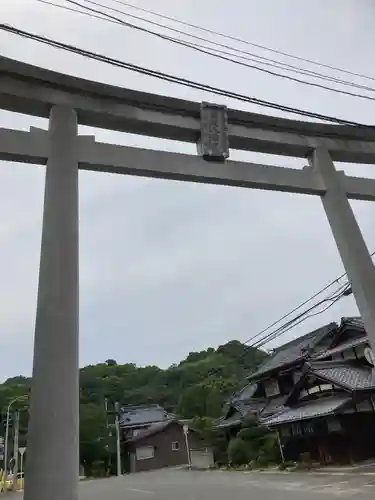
[[150, 431], [274, 405], [249, 406], [294, 351], [347, 375], [341, 347], [245, 393], [132, 416], [353, 322], [235, 419], [309, 410], [243, 408]]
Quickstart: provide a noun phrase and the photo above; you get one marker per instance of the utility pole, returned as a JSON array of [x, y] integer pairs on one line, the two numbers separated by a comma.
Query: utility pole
[[186, 431], [108, 435], [15, 448], [280, 446], [118, 447], [118, 444], [5, 475]]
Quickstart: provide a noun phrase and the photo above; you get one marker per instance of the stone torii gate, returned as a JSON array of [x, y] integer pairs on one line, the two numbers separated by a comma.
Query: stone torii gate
[[53, 437]]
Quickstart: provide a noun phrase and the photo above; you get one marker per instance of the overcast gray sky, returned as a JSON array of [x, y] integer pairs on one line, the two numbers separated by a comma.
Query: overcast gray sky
[[167, 267]]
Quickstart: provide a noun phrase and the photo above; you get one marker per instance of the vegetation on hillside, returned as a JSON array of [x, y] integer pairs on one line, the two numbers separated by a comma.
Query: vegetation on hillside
[[195, 388]]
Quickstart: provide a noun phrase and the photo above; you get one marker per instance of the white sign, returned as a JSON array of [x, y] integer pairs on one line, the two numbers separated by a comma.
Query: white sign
[[21, 450], [185, 428]]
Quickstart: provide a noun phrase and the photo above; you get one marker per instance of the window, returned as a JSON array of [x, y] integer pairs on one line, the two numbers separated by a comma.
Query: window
[[272, 388], [175, 445], [144, 452]]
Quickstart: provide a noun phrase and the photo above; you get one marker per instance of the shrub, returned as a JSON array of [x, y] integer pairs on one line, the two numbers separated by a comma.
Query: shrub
[[238, 452]]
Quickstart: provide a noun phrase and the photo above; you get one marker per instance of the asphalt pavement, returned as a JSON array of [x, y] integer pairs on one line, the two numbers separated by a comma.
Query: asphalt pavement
[[173, 484]]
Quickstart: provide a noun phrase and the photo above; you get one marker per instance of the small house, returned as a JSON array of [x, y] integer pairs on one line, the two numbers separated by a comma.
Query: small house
[[164, 445]]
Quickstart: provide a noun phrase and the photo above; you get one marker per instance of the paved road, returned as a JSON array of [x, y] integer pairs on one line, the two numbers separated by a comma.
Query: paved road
[[175, 484], [216, 485]]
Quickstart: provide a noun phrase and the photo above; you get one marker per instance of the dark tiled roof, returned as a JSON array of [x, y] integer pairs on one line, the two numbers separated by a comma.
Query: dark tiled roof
[[245, 393], [235, 419], [249, 406], [274, 405], [293, 351], [244, 408], [312, 409], [347, 375], [150, 431], [132, 416], [341, 347], [355, 322]]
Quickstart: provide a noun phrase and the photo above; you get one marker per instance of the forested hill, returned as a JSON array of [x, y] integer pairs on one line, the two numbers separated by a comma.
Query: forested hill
[[197, 386]]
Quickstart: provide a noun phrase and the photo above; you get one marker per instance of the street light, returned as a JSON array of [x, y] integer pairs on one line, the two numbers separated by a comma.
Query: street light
[[18, 398]]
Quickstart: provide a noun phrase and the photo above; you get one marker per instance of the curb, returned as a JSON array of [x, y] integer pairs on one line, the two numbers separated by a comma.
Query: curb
[[311, 472]]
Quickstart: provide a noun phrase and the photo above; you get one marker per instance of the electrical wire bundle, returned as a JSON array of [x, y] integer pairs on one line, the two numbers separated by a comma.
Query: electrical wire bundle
[[266, 336], [82, 8], [232, 54]]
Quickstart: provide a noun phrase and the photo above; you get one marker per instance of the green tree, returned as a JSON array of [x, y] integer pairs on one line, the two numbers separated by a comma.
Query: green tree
[[261, 442], [238, 452], [194, 388]]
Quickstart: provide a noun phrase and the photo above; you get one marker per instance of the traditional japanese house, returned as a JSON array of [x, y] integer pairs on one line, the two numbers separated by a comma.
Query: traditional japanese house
[[318, 393], [133, 419]]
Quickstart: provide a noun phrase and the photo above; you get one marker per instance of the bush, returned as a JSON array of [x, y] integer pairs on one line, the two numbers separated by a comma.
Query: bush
[[97, 469], [270, 450], [262, 443], [238, 452]]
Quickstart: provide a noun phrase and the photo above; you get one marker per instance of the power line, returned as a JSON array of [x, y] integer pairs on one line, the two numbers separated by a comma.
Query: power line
[[241, 40], [254, 57], [292, 322], [173, 79], [299, 306], [77, 11], [342, 292], [208, 51]]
